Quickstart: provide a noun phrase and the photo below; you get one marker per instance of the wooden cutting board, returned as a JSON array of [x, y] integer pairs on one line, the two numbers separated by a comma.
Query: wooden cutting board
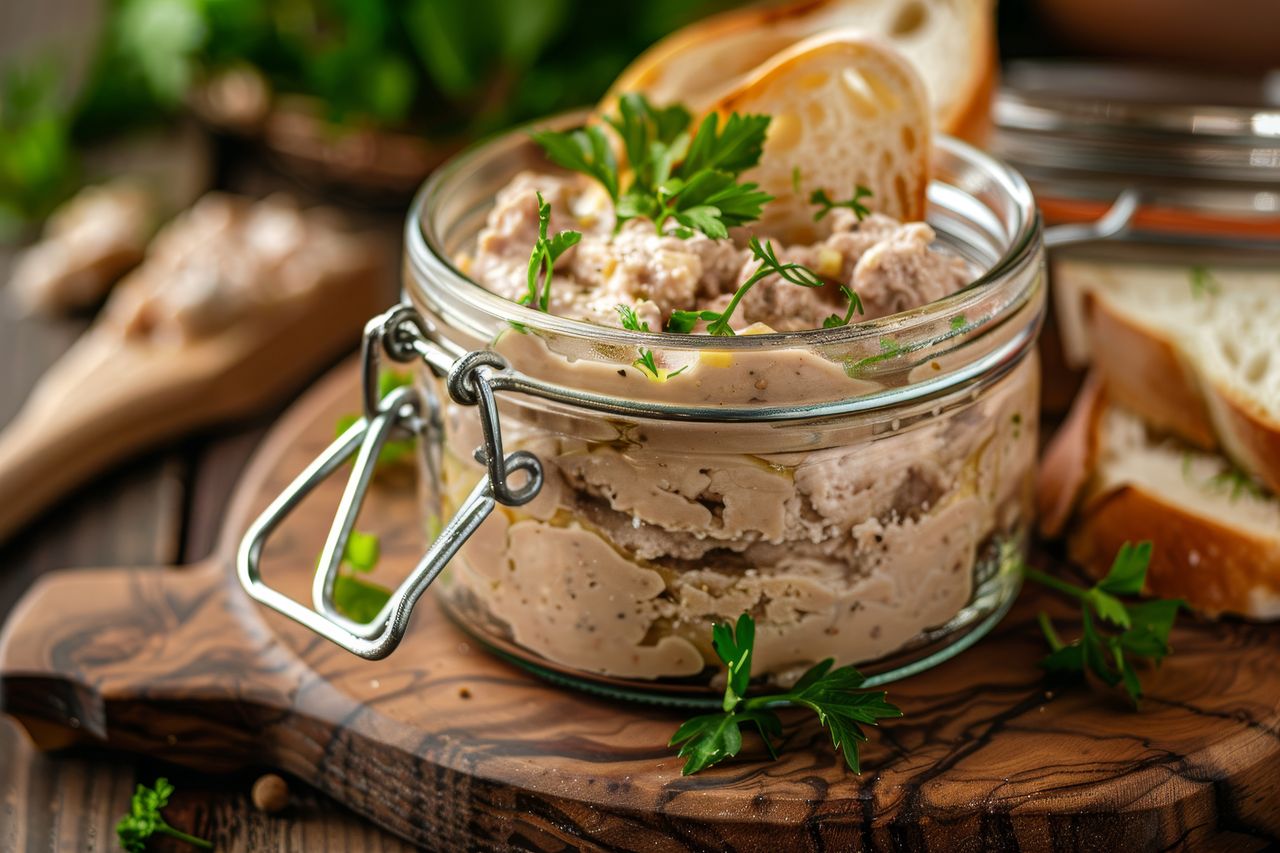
[[454, 749]]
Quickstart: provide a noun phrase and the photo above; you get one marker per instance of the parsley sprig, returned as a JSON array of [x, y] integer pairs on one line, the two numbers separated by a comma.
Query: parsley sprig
[[691, 180], [1113, 634], [855, 307], [353, 596], [646, 361], [1204, 283], [826, 205], [395, 449], [830, 693], [718, 321], [542, 261], [144, 819]]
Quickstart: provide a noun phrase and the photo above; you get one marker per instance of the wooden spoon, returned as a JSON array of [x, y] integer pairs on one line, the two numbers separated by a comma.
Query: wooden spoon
[[113, 394]]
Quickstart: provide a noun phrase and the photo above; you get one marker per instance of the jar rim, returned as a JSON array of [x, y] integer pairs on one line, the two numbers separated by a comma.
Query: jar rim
[[1071, 119], [430, 261]]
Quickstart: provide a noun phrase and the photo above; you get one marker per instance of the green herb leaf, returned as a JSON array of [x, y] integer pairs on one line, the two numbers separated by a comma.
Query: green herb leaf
[[1128, 570], [889, 348], [1109, 655], [733, 646], [585, 150], [654, 139], [692, 182], [708, 739], [546, 251], [718, 322], [646, 361], [357, 599], [683, 322], [363, 551], [832, 694], [396, 449], [135, 829], [1203, 283], [711, 202], [855, 306], [826, 205], [735, 148]]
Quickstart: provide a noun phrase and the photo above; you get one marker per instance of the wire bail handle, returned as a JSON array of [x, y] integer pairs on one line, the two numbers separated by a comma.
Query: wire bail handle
[[1111, 224], [397, 334]]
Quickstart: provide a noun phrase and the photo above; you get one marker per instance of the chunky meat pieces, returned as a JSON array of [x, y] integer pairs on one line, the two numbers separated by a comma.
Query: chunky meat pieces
[[892, 266]]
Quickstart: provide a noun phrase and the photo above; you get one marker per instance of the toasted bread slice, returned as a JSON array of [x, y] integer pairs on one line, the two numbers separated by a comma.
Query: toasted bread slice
[[1194, 353], [847, 112], [951, 43], [1216, 537]]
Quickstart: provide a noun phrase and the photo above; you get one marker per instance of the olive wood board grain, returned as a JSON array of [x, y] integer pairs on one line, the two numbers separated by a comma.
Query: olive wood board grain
[[454, 749]]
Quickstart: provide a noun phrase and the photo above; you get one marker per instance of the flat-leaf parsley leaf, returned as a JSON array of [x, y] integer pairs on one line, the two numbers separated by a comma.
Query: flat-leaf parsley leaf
[[1138, 631], [144, 819], [832, 694]]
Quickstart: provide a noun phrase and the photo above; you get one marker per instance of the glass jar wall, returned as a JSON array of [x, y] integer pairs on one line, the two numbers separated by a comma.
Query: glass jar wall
[[864, 492]]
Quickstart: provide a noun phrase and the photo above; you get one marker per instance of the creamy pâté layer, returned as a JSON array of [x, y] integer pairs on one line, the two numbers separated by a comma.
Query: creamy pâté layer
[[839, 547]]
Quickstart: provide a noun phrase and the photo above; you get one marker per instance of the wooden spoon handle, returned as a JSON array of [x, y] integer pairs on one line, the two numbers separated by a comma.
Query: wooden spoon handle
[[95, 656]]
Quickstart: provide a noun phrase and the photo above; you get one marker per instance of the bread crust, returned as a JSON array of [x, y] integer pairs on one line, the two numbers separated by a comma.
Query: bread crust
[[1249, 436], [737, 41], [1214, 567], [1146, 372]]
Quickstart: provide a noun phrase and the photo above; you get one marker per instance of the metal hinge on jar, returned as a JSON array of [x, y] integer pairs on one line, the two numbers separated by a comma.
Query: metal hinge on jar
[[398, 335]]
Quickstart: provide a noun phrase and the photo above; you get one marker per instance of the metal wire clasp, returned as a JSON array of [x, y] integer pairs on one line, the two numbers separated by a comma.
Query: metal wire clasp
[[397, 334]]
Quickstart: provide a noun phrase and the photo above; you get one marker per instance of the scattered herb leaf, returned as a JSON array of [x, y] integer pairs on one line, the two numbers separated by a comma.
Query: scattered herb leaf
[[646, 361], [888, 349], [826, 205], [718, 322], [586, 150], [546, 251], [795, 179], [1113, 633], [354, 597], [855, 306], [394, 449], [1236, 483], [144, 819], [833, 695], [958, 322], [1204, 283]]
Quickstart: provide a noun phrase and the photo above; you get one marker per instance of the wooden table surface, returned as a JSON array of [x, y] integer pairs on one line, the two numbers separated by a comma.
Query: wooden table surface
[[162, 508]]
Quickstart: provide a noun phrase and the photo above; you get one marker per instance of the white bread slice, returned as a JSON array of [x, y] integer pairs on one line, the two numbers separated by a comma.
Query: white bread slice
[[1202, 362], [1217, 540], [846, 111], [951, 43]]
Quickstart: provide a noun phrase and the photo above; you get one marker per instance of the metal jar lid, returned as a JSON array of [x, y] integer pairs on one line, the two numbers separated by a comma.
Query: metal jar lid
[[1087, 131]]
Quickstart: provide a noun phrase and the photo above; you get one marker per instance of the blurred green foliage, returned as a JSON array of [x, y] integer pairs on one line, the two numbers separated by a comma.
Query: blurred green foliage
[[437, 66], [37, 162], [444, 68]]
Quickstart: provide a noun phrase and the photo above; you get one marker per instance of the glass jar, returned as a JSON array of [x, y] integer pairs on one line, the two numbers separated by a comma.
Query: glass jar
[[1187, 164], [864, 492]]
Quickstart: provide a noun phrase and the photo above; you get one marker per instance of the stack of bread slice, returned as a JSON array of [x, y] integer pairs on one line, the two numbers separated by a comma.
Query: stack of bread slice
[[1176, 438]]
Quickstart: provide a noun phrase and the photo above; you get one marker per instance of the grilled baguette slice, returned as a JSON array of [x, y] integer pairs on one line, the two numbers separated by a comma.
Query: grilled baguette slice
[[951, 43], [1195, 352], [1216, 535], [847, 111]]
